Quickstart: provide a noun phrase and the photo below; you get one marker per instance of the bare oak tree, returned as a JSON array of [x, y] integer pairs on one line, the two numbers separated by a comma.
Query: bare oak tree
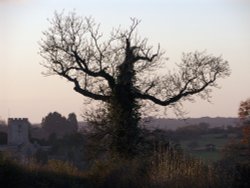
[[122, 71]]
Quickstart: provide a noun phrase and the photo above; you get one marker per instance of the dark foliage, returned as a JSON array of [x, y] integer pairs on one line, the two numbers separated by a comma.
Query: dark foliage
[[3, 138]]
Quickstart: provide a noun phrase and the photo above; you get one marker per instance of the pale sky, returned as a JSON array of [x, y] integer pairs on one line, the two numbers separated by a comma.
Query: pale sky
[[221, 27]]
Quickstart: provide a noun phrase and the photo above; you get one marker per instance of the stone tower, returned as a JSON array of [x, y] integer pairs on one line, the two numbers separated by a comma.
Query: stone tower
[[18, 131]]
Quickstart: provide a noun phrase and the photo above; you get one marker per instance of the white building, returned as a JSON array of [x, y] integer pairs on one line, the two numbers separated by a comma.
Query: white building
[[19, 145], [18, 131]]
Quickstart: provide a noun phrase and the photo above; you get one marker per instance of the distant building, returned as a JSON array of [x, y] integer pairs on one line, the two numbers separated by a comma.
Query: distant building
[[18, 131], [19, 144]]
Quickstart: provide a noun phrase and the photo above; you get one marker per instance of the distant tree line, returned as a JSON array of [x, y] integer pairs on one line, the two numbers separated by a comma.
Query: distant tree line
[[54, 124]]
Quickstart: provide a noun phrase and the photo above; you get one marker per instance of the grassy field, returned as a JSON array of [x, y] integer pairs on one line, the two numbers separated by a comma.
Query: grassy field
[[219, 140]]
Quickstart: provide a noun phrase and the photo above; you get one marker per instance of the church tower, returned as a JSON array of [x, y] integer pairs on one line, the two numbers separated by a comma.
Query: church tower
[[18, 131]]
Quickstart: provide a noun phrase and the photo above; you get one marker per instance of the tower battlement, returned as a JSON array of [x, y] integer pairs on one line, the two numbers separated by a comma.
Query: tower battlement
[[17, 119]]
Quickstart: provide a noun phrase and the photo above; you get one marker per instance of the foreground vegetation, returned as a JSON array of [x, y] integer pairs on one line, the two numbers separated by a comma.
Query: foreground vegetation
[[166, 167], [30, 175], [168, 159]]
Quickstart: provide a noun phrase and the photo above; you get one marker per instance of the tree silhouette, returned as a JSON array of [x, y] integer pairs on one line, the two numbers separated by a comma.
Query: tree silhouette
[[244, 110], [123, 72], [244, 115], [72, 120], [56, 126]]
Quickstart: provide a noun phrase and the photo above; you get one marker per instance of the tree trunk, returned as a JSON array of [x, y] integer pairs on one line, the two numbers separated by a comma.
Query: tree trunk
[[125, 116]]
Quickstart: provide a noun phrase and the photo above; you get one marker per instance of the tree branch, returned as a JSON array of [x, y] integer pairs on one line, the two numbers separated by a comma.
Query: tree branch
[[170, 100], [197, 72], [84, 92]]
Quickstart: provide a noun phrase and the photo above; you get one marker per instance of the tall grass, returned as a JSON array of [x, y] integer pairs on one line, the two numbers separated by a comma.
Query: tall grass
[[120, 173], [177, 170]]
